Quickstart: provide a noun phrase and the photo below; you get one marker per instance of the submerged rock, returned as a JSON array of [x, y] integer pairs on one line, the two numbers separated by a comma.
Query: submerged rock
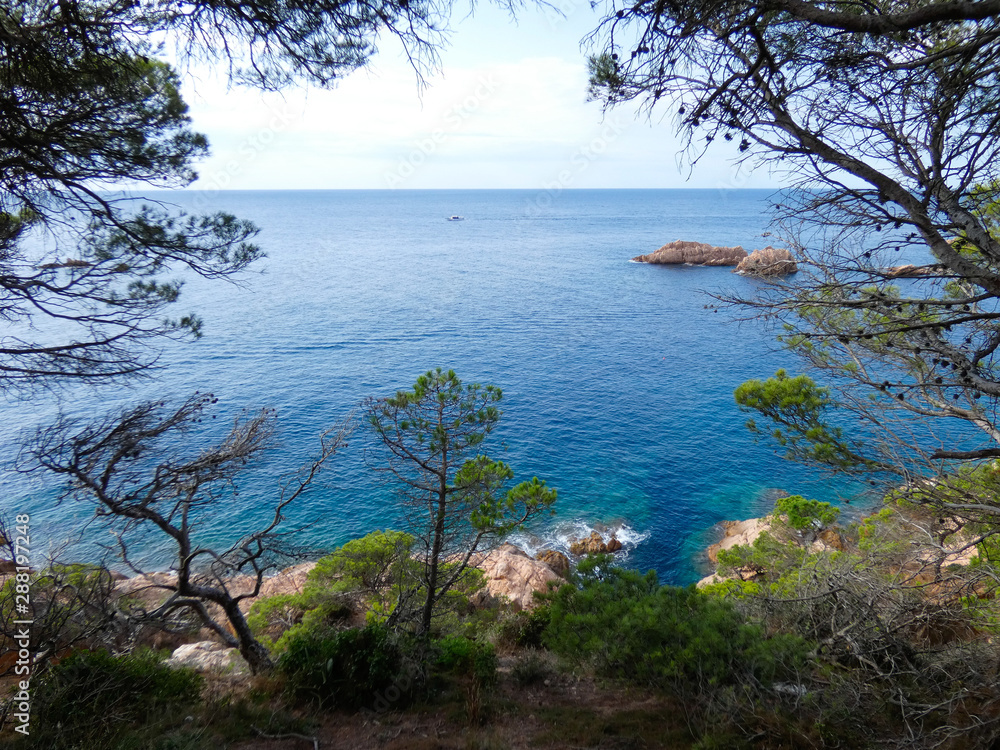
[[695, 254]]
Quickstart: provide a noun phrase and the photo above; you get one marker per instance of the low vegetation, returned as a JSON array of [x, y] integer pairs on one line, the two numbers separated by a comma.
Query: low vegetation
[[92, 699], [892, 617]]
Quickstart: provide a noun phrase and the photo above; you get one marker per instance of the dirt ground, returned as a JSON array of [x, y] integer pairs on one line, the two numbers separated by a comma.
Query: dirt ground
[[569, 712]]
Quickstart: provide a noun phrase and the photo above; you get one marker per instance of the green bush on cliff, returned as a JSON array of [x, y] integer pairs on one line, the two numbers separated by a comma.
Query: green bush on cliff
[[377, 574], [379, 568], [627, 625], [803, 513], [95, 700], [462, 656], [350, 669]]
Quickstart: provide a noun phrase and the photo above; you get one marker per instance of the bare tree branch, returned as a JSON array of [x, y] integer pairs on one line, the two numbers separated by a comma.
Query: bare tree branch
[[140, 473]]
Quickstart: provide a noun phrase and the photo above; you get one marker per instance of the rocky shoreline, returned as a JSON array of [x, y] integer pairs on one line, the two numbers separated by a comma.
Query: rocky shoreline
[[509, 573], [955, 551]]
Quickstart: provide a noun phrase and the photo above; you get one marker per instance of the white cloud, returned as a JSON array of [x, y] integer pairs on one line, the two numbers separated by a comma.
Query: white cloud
[[494, 116]]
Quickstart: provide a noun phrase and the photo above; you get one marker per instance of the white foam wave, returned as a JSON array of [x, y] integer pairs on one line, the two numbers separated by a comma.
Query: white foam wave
[[561, 535]]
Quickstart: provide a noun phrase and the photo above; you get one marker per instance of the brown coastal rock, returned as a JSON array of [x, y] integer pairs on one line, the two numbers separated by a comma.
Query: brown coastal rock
[[695, 254], [147, 591], [770, 261], [555, 560], [738, 533], [288, 581], [594, 544], [510, 573], [910, 271], [830, 539]]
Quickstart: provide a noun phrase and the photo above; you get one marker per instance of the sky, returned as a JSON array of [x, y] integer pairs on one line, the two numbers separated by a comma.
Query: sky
[[507, 108]]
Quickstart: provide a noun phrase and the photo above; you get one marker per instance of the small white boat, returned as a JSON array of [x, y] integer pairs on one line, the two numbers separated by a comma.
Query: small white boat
[[456, 218]]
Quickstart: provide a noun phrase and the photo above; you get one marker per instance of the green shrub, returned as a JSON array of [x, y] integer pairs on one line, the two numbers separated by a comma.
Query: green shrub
[[531, 669], [370, 563], [92, 700], [803, 513], [349, 669], [466, 657], [379, 568], [524, 629], [383, 570], [629, 626], [277, 618], [376, 572]]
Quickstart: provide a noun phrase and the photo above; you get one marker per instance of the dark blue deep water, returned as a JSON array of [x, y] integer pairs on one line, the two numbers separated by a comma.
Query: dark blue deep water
[[617, 379]]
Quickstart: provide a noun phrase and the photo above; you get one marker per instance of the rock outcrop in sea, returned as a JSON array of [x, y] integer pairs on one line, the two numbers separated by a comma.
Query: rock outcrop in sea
[[681, 252], [911, 271], [770, 261], [594, 544]]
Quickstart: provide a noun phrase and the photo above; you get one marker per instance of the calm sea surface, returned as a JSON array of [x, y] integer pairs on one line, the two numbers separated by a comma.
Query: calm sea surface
[[617, 379]]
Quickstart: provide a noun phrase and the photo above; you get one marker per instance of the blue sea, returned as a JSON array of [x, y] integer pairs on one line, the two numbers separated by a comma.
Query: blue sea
[[617, 376]]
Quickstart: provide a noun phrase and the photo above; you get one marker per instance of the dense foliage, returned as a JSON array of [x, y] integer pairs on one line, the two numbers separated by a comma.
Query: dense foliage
[[94, 700], [903, 624], [375, 575], [346, 669], [627, 625]]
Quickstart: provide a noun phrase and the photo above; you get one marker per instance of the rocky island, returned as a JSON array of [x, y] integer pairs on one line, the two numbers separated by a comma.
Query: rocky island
[[682, 252], [769, 261]]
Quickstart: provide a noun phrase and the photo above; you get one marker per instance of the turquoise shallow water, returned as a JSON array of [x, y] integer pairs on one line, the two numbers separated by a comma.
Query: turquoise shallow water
[[617, 380]]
